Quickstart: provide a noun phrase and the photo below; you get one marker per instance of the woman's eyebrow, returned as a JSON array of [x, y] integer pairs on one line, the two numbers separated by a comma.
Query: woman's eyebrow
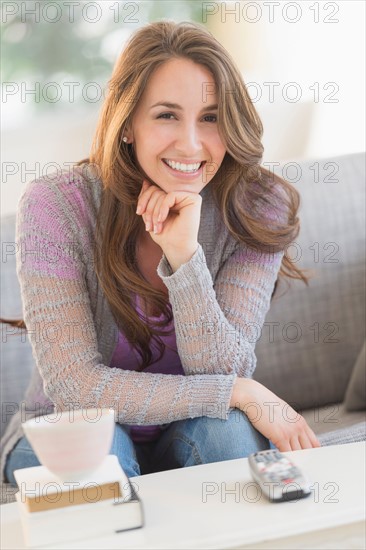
[[170, 105]]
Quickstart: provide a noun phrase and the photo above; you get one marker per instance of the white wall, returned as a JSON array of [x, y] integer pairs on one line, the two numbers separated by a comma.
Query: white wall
[[44, 145], [304, 52]]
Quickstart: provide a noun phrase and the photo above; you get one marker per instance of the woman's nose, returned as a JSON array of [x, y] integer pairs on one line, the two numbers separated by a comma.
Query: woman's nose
[[189, 140]]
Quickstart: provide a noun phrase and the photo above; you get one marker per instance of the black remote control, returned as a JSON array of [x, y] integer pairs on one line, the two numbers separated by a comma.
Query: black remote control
[[277, 476]]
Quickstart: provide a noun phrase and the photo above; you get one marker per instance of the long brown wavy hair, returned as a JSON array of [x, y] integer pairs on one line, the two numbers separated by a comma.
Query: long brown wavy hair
[[239, 187]]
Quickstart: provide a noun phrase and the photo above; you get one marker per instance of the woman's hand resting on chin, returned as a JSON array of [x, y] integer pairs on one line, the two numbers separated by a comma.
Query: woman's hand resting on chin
[[172, 220], [272, 417]]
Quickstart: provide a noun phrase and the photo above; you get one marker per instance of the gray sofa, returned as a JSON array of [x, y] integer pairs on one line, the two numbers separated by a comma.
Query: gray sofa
[[311, 349]]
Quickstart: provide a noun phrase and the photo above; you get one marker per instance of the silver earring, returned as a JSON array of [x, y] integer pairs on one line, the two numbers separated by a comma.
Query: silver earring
[[124, 139]]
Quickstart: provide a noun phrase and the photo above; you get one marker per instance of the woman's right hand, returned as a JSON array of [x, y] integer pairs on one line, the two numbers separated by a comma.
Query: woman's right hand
[[175, 217], [272, 417]]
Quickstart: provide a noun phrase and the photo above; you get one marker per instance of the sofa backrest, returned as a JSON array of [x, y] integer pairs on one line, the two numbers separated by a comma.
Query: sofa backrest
[[312, 335]]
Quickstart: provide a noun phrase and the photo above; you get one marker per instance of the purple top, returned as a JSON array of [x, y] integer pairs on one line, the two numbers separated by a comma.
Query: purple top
[[126, 357]]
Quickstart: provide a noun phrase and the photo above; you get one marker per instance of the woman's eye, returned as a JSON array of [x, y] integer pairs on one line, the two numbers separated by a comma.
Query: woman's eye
[[166, 115], [170, 116], [211, 117]]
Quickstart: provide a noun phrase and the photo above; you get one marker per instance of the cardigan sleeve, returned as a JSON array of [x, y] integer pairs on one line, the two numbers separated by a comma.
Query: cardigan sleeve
[[217, 324]]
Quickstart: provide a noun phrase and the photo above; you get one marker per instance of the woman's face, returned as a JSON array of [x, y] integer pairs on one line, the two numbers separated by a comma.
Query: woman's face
[[174, 129]]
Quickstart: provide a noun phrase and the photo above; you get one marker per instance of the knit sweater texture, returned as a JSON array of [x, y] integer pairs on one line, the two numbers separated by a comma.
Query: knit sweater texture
[[219, 299]]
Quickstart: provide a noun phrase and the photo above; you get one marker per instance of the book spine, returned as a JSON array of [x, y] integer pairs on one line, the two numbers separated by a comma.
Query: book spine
[[90, 494], [79, 522]]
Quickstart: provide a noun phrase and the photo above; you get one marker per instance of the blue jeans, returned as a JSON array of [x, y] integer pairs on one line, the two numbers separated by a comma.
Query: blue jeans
[[183, 443]]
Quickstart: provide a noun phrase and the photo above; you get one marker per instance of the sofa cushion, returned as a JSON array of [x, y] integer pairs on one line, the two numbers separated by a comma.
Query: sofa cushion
[[355, 399], [357, 432], [331, 418], [312, 335]]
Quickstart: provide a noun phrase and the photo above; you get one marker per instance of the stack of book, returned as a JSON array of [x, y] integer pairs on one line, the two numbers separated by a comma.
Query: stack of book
[[53, 511]]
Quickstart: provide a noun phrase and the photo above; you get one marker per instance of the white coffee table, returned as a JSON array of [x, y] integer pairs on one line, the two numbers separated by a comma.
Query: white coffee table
[[214, 506]]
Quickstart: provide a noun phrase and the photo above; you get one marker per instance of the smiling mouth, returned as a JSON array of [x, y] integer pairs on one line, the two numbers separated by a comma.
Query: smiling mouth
[[183, 167]]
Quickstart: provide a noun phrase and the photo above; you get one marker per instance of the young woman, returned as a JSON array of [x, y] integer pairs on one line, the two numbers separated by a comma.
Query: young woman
[[147, 272]]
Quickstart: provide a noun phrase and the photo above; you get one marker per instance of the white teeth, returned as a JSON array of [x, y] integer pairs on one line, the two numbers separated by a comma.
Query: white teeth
[[183, 167]]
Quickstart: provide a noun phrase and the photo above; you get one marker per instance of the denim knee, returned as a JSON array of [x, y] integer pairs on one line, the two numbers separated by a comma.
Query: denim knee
[[203, 440], [229, 439]]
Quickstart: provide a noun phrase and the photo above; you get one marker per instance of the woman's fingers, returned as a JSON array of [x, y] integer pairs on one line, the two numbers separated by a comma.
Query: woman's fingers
[[283, 445], [147, 190], [154, 205], [295, 443], [307, 437], [312, 437], [157, 219], [167, 202], [149, 211], [149, 206], [304, 438], [305, 441]]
